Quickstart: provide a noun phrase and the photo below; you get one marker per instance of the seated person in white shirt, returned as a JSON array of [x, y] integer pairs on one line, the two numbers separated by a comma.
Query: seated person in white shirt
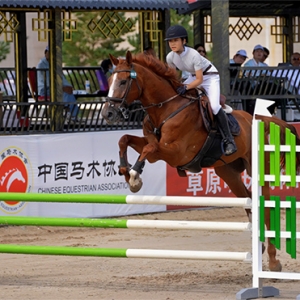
[[256, 61], [266, 54], [258, 56]]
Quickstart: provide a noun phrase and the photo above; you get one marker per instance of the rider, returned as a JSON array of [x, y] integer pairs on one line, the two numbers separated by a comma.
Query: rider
[[203, 74]]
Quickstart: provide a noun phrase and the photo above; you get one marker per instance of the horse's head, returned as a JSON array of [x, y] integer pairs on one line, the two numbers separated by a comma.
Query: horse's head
[[124, 89]]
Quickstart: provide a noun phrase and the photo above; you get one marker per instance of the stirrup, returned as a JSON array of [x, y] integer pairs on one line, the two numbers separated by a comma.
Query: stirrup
[[227, 150]]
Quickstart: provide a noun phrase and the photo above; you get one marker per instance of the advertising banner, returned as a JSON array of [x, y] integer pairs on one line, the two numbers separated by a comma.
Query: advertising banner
[[207, 184], [76, 163]]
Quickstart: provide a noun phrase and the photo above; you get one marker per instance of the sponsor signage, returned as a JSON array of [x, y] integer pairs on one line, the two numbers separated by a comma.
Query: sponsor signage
[[72, 164], [208, 184]]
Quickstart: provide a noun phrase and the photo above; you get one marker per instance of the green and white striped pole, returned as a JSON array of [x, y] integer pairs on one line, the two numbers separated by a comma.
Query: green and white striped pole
[[127, 199], [126, 253]]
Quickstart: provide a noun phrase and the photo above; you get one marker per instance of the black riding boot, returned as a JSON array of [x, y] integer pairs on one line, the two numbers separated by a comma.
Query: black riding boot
[[229, 144]]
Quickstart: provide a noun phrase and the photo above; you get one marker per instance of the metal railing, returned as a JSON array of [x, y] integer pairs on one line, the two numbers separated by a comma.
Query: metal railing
[[41, 118], [280, 84], [77, 76], [7, 83]]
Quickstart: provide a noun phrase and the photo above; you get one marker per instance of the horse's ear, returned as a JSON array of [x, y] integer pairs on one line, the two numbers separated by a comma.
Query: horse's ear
[[114, 60], [129, 57]]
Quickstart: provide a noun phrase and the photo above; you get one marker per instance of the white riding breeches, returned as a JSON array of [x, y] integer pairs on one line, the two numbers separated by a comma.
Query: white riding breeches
[[211, 84]]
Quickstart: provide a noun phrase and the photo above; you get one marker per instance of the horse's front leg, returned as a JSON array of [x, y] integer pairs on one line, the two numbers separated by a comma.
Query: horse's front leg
[[135, 180], [135, 142]]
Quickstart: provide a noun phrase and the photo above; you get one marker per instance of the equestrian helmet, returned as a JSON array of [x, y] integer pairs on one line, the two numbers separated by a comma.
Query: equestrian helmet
[[176, 31]]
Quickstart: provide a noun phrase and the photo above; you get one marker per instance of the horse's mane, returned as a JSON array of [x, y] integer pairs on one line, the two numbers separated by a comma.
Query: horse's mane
[[158, 67]]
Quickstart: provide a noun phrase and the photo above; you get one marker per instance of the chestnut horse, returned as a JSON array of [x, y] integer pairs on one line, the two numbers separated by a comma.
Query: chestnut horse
[[174, 130]]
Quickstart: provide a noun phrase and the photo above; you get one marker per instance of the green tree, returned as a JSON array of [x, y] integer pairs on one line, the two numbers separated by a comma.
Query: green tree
[[135, 42], [183, 20], [90, 48], [4, 50], [209, 53]]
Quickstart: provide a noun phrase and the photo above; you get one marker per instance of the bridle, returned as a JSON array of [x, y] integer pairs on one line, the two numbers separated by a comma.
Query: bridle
[[123, 107]]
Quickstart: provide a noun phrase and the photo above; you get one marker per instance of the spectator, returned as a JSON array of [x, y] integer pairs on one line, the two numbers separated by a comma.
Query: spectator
[[107, 67], [256, 61], [239, 57], [201, 49], [258, 56], [203, 74], [295, 59], [266, 54], [105, 71], [67, 87]]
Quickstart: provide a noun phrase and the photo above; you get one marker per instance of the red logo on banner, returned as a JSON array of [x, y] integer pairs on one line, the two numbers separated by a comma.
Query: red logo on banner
[[13, 178]]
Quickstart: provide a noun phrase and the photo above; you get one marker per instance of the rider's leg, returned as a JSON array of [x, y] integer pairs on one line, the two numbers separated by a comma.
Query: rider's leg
[[229, 144], [211, 83]]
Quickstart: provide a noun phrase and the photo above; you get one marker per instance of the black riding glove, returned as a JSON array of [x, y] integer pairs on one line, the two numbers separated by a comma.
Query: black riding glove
[[181, 90]]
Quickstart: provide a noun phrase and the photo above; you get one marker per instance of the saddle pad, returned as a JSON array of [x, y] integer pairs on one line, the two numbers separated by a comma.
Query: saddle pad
[[233, 125]]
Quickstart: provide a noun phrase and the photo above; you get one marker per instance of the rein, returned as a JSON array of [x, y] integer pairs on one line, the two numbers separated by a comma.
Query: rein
[[159, 105], [123, 107], [157, 131]]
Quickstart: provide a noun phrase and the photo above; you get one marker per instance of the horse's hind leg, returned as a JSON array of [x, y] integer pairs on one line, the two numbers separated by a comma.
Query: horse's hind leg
[[274, 264], [231, 175]]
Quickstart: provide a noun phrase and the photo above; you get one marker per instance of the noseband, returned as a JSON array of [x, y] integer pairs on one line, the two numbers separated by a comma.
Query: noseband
[[123, 107]]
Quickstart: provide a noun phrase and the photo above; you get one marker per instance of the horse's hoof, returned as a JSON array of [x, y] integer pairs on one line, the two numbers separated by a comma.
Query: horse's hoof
[[263, 248], [276, 268], [137, 187]]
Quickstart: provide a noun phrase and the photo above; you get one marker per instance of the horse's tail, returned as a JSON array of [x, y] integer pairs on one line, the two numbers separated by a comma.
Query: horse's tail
[[283, 125]]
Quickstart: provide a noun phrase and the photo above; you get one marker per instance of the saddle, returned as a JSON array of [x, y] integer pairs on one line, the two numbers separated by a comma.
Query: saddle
[[208, 117], [212, 148]]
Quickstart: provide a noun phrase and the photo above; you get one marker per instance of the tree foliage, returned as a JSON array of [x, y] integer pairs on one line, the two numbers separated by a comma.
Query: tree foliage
[[4, 50], [89, 48], [186, 22], [135, 42]]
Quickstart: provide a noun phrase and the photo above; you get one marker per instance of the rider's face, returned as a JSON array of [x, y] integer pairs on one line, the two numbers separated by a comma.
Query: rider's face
[[176, 45]]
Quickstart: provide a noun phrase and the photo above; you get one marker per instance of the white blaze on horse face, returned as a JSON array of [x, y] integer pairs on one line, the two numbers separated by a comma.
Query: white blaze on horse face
[[112, 86]]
